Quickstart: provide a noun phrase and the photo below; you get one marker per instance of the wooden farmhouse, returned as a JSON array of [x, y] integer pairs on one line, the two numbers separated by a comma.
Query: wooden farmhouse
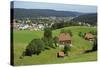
[[89, 36], [64, 38]]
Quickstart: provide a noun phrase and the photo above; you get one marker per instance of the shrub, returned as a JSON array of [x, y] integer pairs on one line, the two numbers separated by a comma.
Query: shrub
[[48, 43], [94, 48], [66, 49], [34, 47], [55, 40], [81, 34]]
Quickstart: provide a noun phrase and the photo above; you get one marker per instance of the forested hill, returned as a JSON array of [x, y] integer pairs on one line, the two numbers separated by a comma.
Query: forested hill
[[30, 13], [88, 18]]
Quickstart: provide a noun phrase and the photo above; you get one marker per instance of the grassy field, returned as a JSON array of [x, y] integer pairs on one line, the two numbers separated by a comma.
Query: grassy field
[[22, 38]]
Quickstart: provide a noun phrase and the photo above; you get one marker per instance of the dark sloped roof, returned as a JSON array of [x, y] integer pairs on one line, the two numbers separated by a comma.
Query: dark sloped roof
[[89, 35], [64, 37]]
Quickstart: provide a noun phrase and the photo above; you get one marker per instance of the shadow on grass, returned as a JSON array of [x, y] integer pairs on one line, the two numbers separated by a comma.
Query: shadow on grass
[[88, 51]]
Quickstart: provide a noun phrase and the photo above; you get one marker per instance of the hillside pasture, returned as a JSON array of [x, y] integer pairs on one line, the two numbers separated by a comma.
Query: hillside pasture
[[23, 37]]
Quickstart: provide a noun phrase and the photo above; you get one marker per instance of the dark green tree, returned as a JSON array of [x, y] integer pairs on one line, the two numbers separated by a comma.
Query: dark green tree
[[48, 37], [66, 49], [81, 34], [34, 47], [94, 48], [55, 40], [47, 33]]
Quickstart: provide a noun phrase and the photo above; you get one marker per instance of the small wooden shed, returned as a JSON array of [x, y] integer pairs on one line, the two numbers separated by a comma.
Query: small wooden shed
[[60, 54]]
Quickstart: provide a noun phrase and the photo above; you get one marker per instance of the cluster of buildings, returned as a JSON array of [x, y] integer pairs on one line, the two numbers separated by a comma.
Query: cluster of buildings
[[84, 24], [66, 39], [38, 23], [30, 26]]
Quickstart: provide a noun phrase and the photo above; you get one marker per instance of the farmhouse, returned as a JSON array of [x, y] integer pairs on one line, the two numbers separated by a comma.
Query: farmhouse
[[64, 38], [89, 36]]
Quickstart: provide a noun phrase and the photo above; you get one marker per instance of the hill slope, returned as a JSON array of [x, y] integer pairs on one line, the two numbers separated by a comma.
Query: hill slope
[[88, 18], [23, 37]]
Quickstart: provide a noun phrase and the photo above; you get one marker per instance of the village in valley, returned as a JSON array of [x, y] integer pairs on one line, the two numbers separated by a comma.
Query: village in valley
[[38, 23], [48, 37]]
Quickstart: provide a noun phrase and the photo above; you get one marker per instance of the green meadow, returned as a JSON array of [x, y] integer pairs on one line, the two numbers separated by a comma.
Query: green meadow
[[23, 37]]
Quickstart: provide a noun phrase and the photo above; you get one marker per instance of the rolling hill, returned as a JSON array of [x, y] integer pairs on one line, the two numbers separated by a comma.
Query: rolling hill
[[90, 18], [23, 37]]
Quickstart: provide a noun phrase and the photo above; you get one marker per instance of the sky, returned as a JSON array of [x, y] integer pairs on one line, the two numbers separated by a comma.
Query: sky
[[55, 6]]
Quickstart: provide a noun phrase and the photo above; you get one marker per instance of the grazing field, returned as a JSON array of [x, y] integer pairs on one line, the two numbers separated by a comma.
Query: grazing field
[[23, 37]]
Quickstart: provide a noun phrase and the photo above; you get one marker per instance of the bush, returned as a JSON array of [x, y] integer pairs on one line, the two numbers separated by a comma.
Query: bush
[[66, 49], [48, 43], [34, 47], [81, 34], [55, 40], [94, 48]]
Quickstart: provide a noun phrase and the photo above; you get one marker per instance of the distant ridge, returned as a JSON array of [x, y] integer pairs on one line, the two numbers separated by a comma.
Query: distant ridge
[[30, 13]]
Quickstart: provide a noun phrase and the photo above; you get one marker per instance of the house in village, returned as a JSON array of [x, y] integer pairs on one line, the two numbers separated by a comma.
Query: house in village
[[38, 27], [64, 38], [23, 26], [89, 36], [14, 24]]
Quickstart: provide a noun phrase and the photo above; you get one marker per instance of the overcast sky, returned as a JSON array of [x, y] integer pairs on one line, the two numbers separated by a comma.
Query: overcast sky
[[55, 6]]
